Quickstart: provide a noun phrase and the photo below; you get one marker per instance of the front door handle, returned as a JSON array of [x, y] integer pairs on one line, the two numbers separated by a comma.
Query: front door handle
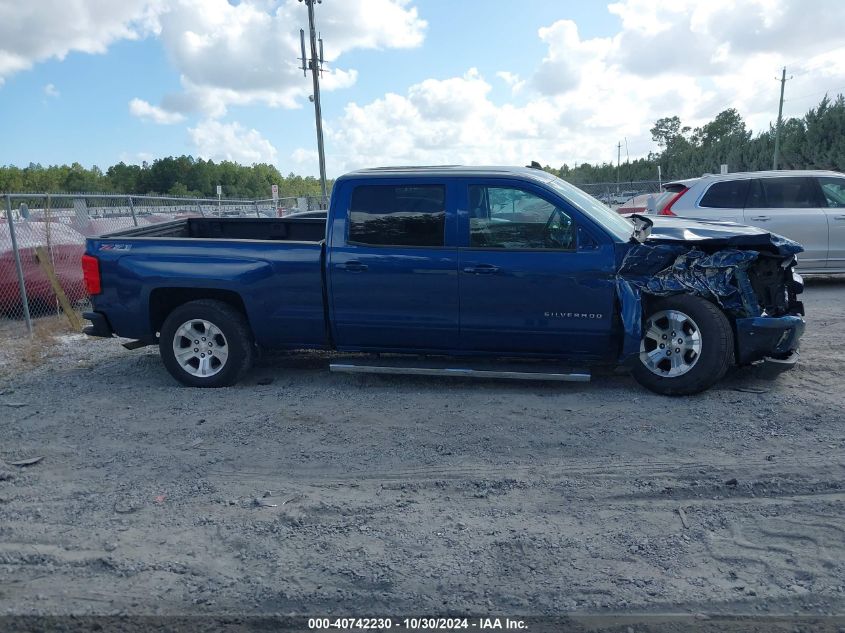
[[353, 266], [482, 269], [839, 217], [760, 218]]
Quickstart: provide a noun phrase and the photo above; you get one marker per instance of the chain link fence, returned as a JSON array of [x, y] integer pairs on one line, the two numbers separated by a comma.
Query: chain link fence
[[42, 239], [286, 206], [616, 194]]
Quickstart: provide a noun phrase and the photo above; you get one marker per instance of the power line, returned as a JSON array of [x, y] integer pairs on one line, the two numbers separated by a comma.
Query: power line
[[813, 94]]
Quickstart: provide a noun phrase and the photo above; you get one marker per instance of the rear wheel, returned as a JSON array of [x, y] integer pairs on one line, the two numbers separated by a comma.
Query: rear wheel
[[687, 346], [206, 343]]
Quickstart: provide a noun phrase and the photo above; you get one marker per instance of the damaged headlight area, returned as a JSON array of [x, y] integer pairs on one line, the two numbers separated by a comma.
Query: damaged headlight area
[[755, 287]]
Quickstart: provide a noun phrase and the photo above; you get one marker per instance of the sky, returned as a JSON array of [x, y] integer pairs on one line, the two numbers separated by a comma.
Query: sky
[[406, 81]]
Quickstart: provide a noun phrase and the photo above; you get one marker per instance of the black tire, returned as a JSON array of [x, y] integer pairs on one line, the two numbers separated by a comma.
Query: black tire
[[238, 341], [707, 367]]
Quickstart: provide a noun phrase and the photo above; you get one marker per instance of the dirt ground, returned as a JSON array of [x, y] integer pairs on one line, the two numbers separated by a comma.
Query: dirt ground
[[302, 491]]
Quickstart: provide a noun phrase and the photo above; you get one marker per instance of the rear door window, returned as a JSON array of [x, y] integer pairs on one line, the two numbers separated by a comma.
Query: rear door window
[[728, 194], [782, 193], [833, 190], [398, 215]]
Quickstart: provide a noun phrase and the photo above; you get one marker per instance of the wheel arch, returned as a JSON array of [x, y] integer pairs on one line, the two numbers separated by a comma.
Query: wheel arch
[[164, 300]]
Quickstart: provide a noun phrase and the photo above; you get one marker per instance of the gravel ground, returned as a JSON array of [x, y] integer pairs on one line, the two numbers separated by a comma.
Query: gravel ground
[[302, 491]]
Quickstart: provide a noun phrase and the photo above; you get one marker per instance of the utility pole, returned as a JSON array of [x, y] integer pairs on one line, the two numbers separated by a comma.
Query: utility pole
[[618, 162], [627, 160], [780, 118], [315, 64]]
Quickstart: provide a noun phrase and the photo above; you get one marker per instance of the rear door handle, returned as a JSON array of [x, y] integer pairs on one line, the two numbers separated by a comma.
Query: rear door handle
[[761, 218], [482, 269], [353, 266]]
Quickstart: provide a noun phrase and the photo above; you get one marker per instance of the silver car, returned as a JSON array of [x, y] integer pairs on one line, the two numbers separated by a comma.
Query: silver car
[[805, 206]]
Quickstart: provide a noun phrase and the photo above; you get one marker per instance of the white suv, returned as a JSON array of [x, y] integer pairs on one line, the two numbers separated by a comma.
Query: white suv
[[805, 206]]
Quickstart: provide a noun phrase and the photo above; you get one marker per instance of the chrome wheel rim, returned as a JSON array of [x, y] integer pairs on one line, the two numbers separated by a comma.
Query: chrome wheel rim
[[200, 348], [671, 344]]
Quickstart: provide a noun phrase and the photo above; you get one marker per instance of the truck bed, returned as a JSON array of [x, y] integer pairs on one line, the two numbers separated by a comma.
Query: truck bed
[[270, 267], [273, 229]]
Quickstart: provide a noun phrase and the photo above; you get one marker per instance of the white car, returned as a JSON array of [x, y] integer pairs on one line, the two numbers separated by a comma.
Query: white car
[[623, 197], [805, 206]]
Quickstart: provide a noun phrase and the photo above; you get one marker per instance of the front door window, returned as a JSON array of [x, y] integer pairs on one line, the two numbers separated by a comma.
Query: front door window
[[505, 217]]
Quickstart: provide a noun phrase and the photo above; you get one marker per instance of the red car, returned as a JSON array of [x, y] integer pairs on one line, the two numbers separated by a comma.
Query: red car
[[65, 247]]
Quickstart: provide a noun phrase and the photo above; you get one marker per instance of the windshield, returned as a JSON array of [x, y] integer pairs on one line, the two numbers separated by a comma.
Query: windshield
[[618, 226]]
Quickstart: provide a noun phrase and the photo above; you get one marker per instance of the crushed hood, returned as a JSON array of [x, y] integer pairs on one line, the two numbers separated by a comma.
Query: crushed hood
[[661, 229]]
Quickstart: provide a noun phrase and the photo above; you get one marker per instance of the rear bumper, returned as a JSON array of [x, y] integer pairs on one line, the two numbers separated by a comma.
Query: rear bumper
[[99, 325], [769, 338]]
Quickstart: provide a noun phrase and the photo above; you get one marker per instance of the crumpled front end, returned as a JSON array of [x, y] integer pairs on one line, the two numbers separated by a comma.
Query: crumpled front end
[[756, 286]]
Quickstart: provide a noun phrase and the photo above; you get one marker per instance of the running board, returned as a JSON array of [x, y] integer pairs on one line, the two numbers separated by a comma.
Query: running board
[[532, 372]]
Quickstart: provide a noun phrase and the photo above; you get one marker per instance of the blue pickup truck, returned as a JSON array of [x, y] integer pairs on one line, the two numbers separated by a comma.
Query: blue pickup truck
[[494, 271]]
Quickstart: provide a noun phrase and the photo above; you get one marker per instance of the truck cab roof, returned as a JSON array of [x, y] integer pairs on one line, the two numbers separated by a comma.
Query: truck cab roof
[[492, 171]]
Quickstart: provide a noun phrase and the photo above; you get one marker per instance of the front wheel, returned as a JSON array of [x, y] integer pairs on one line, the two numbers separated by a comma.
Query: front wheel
[[687, 346], [206, 343]]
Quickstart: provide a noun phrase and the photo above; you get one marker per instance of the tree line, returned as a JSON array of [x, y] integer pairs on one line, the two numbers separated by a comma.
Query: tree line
[[814, 141], [175, 176]]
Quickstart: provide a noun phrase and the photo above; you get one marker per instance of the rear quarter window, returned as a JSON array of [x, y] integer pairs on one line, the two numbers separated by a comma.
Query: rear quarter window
[[728, 194], [398, 215]]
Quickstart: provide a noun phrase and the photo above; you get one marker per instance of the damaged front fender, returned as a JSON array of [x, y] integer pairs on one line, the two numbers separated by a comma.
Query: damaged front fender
[[667, 265]]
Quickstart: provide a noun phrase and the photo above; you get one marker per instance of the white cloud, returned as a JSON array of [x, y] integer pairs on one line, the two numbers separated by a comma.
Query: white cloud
[[148, 112], [562, 68], [231, 141], [51, 91], [302, 156], [225, 53], [442, 121], [511, 79], [449, 99], [246, 53], [32, 32], [302, 161], [678, 57], [701, 38]]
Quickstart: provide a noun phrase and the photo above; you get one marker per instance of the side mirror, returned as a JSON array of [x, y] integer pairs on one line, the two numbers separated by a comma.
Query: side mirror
[[24, 210]]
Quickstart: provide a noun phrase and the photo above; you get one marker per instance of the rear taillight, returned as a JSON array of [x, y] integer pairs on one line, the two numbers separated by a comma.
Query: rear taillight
[[667, 210], [91, 273]]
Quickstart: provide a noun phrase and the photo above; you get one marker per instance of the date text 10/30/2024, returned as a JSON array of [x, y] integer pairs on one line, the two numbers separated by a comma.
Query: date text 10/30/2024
[[417, 624]]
